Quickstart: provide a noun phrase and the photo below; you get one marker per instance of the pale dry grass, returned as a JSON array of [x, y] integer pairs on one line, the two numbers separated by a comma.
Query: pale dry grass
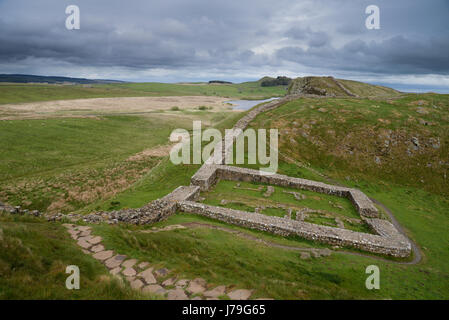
[[122, 105], [71, 190], [159, 151]]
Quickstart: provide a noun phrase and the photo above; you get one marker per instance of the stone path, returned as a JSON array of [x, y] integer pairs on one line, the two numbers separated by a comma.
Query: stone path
[[145, 277]]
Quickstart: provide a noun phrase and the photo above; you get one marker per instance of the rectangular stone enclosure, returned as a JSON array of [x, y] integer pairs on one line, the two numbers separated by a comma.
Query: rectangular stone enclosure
[[386, 240]]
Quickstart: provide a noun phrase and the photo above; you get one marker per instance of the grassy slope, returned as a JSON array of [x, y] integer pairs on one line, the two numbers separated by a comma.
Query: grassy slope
[[21, 93], [73, 153], [366, 90], [33, 259], [66, 164], [160, 181], [369, 138]]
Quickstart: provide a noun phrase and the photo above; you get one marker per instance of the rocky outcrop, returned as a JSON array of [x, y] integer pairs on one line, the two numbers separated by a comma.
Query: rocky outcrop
[[304, 86], [319, 86]]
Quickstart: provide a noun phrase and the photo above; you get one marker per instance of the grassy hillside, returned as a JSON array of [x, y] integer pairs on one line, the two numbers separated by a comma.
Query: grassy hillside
[[33, 259], [62, 165], [368, 90], [404, 140], [329, 86], [21, 93]]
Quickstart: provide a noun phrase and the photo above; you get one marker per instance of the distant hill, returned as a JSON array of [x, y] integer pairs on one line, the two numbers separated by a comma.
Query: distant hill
[[219, 82], [27, 78], [332, 87]]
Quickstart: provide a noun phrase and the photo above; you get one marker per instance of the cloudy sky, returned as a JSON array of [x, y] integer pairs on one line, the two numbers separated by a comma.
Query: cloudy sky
[[235, 40]]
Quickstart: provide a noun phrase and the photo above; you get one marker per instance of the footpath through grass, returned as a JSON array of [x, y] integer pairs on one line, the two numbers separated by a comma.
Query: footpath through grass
[[34, 255]]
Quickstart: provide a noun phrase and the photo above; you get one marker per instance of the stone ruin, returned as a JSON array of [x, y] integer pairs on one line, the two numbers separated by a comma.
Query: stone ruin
[[386, 239]]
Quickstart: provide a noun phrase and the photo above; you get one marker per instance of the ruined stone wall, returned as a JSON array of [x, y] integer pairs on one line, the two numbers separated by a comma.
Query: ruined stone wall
[[207, 176], [394, 244], [157, 210], [363, 204], [342, 87], [242, 124]]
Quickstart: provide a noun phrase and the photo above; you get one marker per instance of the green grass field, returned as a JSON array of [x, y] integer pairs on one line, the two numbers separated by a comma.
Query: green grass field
[[21, 93], [64, 165]]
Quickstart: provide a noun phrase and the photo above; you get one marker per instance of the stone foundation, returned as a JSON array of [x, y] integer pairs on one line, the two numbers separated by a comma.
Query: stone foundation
[[389, 243], [207, 176], [387, 240]]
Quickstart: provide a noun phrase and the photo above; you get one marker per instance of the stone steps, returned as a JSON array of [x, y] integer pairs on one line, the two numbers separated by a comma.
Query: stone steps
[[145, 277]]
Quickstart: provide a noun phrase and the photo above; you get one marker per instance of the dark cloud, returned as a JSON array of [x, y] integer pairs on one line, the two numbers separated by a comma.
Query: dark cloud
[[397, 54], [312, 38], [210, 38]]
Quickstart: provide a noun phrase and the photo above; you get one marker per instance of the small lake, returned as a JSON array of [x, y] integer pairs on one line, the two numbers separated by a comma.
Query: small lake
[[247, 104]]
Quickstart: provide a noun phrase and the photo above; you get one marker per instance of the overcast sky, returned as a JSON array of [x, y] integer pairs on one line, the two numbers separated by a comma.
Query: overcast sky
[[235, 40]]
